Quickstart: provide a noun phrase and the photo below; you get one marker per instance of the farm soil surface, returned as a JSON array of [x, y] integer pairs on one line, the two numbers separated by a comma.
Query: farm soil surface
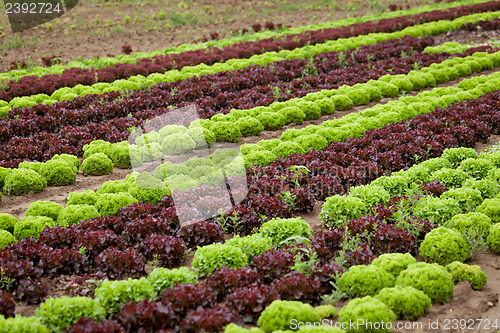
[[468, 37], [76, 34]]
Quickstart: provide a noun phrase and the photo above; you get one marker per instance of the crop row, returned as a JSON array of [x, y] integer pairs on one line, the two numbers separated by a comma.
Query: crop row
[[39, 142], [440, 129], [218, 93], [142, 82], [15, 75], [214, 86], [458, 190]]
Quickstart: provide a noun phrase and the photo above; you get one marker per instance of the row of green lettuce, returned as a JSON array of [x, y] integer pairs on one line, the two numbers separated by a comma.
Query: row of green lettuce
[[100, 156], [141, 82], [167, 176], [393, 287], [111, 196], [110, 61]]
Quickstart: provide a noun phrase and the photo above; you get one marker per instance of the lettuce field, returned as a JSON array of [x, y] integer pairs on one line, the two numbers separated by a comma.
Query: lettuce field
[[336, 171]]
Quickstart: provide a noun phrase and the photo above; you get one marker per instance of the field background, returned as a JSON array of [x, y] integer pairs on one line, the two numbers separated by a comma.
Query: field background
[[100, 28]]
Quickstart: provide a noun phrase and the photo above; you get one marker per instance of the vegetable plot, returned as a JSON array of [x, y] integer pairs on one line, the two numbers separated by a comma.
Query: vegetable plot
[[379, 215]]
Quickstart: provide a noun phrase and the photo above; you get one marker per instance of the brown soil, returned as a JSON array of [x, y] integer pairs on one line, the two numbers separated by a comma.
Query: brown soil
[[492, 141], [468, 37], [182, 24]]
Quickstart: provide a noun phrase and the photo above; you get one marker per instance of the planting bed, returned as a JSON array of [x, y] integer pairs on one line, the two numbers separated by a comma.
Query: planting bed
[[362, 183]]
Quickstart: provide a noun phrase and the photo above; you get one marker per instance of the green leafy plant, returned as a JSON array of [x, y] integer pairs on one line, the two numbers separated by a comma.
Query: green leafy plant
[[22, 325], [463, 272], [467, 198], [110, 203], [73, 214], [97, 164], [476, 167], [271, 121], [371, 195], [58, 172], [113, 294], [225, 131], [44, 208], [293, 114], [252, 245], [229, 222], [32, 226], [407, 303], [6, 238], [342, 102], [35, 166], [279, 230], [457, 155], [23, 181], [443, 246], [289, 198], [87, 197], [493, 239], [281, 315], [59, 313], [211, 257], [163, 278], [201, 136], [362, 280], [326, 311], [475, 228], [338, 210], [147, 188], [7, 222], [432, 279], [437, 210], [488, 187], [297, 171], [112, 186], [394, 263], [490, 208], [450, 178], [368, 311], [178, 143]]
